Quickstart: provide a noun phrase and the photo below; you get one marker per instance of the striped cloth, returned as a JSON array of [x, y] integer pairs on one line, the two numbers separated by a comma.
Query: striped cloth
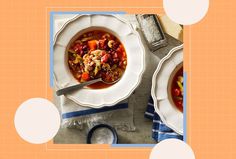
[[76, 116], [159, 130], [69, 111]]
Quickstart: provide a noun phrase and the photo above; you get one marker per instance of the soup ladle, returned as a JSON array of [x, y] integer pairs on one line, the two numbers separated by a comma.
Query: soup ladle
[[81, 85]]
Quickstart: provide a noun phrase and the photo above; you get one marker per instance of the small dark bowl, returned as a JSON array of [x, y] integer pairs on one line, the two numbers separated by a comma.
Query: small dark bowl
[[91, 131]]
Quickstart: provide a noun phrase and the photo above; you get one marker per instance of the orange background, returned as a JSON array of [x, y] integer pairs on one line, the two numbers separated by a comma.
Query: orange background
[[209, 61]]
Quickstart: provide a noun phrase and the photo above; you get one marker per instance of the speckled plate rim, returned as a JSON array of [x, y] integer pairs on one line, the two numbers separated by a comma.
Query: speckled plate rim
[[133, 31], [153, 94]]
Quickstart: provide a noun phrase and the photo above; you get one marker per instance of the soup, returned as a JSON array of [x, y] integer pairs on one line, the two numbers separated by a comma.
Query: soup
[[97, 54], [177, 90]]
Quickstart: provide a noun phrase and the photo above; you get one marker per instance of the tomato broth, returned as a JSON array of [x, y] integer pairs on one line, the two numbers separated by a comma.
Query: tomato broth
[[97, 54], [177, 89]]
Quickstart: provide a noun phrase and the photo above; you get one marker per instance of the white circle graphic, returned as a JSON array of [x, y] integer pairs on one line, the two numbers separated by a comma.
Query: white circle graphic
[[172, 148], [186, 12], [37, 120]]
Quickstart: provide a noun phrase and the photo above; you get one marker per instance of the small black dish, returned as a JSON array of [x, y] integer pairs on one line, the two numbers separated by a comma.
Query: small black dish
[[91, 131]]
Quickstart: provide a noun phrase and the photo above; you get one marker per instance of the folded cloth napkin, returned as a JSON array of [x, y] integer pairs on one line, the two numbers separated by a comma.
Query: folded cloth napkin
[[159, 130], [74, 115]]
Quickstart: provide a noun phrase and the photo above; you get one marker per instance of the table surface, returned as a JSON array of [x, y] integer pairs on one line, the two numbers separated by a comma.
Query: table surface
[[143, 132]]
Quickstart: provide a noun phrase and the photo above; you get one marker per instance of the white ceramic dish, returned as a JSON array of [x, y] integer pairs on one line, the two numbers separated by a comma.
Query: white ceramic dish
[[161, 80], [110, 96]]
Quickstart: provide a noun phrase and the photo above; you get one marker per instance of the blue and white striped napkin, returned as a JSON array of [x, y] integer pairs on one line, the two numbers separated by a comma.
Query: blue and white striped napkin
[[73, 110], [74, 115], [159, 130]]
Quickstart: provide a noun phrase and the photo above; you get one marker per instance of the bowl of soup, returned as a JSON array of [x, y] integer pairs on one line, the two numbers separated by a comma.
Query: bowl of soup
[[168, 89], [88, 47]]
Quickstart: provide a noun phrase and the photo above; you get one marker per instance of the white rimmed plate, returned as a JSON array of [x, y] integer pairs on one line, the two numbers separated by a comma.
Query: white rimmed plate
[[110, 96], [163, 105]]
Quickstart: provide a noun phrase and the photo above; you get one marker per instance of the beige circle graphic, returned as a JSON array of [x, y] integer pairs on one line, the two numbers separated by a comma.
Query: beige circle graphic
[[37, 120], [171, 149], [186, 12]]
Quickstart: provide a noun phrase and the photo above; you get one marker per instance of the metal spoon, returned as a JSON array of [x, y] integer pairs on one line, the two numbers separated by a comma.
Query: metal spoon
[[80, 85]]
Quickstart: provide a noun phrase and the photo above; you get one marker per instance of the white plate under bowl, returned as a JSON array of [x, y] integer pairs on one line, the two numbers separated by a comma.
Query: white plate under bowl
[[131, 78], [161, 80]]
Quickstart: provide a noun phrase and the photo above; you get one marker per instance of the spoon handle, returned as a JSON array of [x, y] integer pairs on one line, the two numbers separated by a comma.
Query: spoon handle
[[76, 87]]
